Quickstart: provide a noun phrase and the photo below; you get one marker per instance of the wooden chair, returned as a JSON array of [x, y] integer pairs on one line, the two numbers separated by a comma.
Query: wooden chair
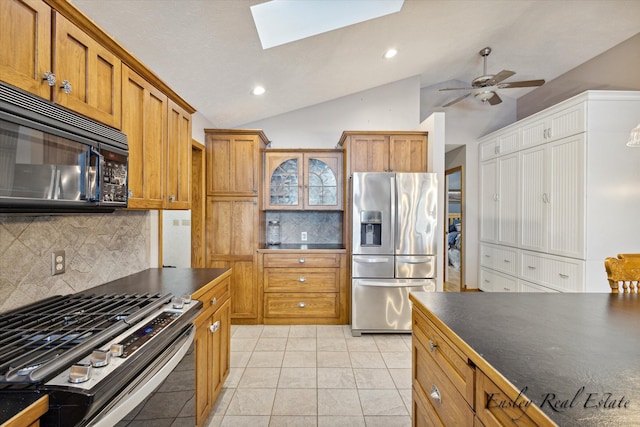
[[623, 270]]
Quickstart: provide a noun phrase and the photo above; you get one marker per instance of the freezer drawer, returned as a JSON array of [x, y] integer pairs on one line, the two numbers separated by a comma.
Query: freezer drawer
[[415, 267], [375, 266], [380, 305]]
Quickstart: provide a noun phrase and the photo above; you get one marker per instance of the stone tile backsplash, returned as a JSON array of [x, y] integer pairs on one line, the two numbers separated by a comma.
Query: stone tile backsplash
[[321, 226], [99, 248]]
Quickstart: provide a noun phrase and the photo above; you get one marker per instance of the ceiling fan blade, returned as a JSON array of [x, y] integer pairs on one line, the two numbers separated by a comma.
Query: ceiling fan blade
[[456, 88], [502, 75], [524, 83], [449, 104], [495, 99]]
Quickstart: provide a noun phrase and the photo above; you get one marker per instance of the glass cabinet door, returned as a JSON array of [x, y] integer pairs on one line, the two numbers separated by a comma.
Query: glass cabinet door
[[284, 176], [323, 181]]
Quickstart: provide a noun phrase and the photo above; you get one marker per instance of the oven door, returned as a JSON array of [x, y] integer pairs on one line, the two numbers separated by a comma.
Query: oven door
[[145, 383]]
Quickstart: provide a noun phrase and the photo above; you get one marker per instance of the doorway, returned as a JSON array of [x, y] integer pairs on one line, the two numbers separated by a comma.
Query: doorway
[[453, 236]]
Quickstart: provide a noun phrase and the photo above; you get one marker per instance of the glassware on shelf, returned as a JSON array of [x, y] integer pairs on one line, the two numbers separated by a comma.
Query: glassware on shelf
[[273, 232]]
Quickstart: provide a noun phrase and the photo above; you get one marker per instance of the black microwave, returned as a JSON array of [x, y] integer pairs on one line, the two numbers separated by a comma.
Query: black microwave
[[53, 160]]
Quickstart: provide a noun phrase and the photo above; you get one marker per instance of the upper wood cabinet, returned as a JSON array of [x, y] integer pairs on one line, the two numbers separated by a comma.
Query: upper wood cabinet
[[385, 151], [303, 180], [145, 123], [87, 74], [234, 161], [25, 45], [178, 158]]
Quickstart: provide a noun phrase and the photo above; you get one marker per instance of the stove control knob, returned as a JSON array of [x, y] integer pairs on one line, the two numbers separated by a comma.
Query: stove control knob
[[100, 358], [79, 374], [116, 350]]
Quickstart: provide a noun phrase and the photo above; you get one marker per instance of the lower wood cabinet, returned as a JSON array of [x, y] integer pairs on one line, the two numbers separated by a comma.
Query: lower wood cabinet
[[212, 344], [304, 287]]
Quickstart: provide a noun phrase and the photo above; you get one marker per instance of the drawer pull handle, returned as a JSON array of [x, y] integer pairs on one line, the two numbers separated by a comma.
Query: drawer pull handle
[[301, 260], [302, 304], [487, 256], [507, 261], [531, 267], [435, 394], [432, 346], [507, 289], [564, 276], [214, 328], [214, 301], [302, 279]]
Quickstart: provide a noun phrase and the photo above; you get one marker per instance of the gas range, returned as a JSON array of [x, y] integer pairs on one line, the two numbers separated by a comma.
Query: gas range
[[96, 356]]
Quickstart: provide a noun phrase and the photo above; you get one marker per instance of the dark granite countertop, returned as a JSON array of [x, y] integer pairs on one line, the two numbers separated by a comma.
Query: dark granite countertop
[[178, 281], [567, 345], [305, 247]]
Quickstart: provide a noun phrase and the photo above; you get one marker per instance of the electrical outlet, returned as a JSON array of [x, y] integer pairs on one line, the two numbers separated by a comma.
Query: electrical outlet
[[303, 236], [57, 262]]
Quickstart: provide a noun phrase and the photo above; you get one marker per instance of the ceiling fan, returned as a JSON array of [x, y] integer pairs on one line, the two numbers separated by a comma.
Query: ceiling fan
[[484, 87]]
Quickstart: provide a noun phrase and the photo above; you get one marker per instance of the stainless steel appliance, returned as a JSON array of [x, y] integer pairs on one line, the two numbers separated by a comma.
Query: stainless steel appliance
[[394, 247], [53, 160], [96, 356]]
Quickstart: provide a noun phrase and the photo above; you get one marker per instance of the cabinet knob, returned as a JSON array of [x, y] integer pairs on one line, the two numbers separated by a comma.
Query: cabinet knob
[[302, 304], [172, 198], [435, 394], [432, 346], [66, 86], [130, 194], [255, 190], [50, 78], [302, 279], [301, 260], [214, 328], [214, 301]]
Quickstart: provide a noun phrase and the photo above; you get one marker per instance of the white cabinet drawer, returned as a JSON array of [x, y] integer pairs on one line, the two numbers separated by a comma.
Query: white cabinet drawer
[[525, 286], [499, 258], [562, 274], [492, 281]]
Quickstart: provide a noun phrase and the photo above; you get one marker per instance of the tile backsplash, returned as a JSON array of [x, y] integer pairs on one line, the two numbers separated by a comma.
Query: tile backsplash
[[98, 248], [321, 226]]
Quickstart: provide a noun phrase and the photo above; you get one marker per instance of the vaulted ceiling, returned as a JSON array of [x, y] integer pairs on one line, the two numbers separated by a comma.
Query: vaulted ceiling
[[209, 51]]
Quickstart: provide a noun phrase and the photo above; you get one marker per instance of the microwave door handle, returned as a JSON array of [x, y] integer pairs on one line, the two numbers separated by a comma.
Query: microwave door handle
[[56, 185], [52, 183], [97, 176]]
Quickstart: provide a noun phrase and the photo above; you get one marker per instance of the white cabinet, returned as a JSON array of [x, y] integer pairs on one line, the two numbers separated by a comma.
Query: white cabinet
[[552, 197], [569, 200], [492, 281], [525, 286], [499, 200]]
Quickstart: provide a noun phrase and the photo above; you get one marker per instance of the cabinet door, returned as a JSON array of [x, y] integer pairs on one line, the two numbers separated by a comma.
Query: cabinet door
[[220, 335], [144, 122], [323, 181], [246, 296], [533, 199], [369, 153], [202, 348], [488, 200], [231, 226], [25, 45], [232, 164], [407, 153], [507, 225], [566, 196], [284, 181], [179, 158], [92, 72]]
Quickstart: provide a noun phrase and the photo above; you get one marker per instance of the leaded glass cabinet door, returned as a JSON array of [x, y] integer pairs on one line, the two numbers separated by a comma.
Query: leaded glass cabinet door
[[323, 181], [285, 181]]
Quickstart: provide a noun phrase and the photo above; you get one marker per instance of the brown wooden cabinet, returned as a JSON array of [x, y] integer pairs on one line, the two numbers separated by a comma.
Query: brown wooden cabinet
[[144, 122], [299, 180], [234, 221], [303, 287], [212, 344], [385, 151], [178, 172]]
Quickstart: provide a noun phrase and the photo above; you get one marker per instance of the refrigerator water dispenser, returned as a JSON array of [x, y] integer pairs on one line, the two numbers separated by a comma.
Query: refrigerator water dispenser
[[370, 228]]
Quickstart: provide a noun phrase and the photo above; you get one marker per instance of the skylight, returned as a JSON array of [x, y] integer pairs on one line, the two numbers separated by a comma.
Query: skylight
[[283, 21]]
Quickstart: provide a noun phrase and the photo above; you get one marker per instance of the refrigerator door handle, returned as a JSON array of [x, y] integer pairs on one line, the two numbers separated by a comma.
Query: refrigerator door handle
[[389, 284], [376, 260], [413, 260], [394, 210]]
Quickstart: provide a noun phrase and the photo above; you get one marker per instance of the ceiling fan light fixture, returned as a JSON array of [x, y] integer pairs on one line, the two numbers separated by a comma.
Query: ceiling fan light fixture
[[484, 95], [634, 137]]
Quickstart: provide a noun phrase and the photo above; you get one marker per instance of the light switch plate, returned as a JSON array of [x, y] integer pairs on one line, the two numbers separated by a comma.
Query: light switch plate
[[303, 236]]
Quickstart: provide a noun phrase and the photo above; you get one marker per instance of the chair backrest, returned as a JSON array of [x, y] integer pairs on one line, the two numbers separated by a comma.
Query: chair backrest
[[623, 271]]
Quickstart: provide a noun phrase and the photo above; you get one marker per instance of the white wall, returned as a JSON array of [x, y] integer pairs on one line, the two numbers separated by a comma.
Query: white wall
[[395, 106], [198, 124]]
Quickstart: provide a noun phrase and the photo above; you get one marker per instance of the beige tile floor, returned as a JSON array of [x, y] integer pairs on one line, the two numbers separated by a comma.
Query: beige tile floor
[[315, 376]]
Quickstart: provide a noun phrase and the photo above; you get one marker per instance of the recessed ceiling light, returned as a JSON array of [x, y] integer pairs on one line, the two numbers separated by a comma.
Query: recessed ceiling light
[[258, 90], [390, 53]]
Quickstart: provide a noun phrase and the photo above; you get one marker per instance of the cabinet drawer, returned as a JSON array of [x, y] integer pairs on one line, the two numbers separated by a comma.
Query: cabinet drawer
[[302, 260], [495, 407], [444, 354], [563, 274], [215, 296], [287, 305], [429, 380], [301, 280], [492, 281], [499, 258], [423, 413]]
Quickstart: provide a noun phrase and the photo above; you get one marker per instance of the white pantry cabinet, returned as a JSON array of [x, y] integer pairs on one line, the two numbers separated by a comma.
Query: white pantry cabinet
[[570, 199]]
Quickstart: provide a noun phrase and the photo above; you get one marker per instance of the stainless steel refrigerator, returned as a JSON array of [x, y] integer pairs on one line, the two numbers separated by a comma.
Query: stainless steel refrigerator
[[393, 247]]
